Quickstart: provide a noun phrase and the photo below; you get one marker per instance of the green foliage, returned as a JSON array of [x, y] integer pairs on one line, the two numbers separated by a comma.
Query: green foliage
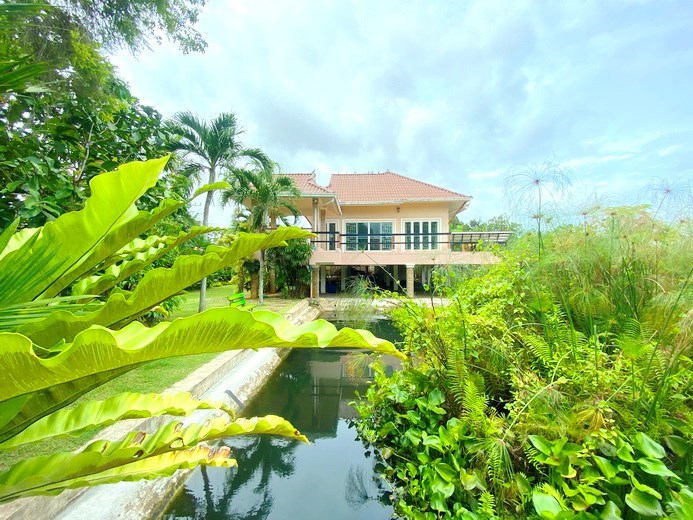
[[606, 474], [498, 223], [64, 114], [568, 370], [56, 348], [264, 193], [291, 267], [52, 146], [212, 149], [63, 26]]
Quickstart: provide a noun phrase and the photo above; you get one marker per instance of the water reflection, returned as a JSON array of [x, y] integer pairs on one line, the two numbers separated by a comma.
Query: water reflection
[[281, 479]]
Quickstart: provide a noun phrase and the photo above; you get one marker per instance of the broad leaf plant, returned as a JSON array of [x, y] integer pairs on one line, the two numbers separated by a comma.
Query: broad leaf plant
[[66, 328]]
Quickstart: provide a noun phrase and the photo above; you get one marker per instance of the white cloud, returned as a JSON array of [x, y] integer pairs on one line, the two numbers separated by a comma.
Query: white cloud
[[448, 92]]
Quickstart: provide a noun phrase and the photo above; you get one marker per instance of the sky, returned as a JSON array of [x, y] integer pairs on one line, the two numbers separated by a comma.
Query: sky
[[455, 93]]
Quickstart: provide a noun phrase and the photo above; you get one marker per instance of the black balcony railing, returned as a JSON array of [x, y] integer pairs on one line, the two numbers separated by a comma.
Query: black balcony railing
[[458, 241]]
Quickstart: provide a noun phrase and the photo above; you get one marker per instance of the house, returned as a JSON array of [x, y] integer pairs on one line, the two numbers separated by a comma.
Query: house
[[384, 225]]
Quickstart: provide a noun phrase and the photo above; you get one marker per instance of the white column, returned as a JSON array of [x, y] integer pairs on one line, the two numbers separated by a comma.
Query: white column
[[323, 279], [410, 281], [395, 274], [314, 282], [316, 222], [344, 277]]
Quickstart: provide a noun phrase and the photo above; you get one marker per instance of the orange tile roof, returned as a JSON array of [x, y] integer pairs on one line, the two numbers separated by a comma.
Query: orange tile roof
[[373, 188], [306, 184]]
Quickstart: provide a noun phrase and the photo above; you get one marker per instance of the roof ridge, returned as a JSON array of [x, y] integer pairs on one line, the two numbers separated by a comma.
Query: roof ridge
[[361, 173]]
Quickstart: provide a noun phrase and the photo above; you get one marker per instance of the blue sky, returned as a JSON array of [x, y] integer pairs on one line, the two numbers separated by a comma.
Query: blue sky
[[455, 93]]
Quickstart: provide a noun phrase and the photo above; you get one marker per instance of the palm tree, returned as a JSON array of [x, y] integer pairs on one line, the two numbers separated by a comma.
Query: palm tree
[[210, 148], [266, 195]]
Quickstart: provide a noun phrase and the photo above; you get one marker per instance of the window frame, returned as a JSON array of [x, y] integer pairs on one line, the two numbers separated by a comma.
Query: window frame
[[332, 242], [421, 241], [381, 240]]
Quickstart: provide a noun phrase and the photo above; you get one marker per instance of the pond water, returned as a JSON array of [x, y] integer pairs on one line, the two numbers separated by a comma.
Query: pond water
[[334, 477]]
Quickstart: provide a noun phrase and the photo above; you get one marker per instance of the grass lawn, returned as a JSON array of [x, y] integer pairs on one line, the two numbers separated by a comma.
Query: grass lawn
[[152, 377], [217, 297]]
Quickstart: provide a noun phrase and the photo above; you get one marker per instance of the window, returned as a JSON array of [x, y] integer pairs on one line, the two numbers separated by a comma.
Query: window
[[368, 236], [420, 234], [331, 236]]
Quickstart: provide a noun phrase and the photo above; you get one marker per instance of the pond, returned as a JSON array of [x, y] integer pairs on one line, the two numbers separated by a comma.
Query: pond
[[333, 477]]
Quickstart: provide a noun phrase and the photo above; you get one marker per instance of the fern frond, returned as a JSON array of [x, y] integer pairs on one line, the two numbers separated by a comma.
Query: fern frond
[[457, 374], [487, 505], [538, 346], [474, 401]]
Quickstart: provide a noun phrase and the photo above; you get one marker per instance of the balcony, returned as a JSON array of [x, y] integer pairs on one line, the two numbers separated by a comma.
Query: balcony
[[455, 248]]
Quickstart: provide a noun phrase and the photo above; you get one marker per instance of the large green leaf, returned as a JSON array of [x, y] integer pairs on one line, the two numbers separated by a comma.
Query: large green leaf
[[7, 234], [655, 467], [98, 463], [649, 447], [219, 185], [644, 503], [78, 472], [102, 413], [156, 286], [546, 505], [16, 239], [120, 271], [63, 244], [13, 317], [20, 412], [106, 252], [99, 349], [164, 465]]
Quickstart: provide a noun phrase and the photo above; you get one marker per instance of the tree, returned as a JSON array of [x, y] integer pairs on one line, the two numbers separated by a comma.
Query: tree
[[291, 265], [266, 195], [497, 223], [53, 349], [51, 146], [210, 148], [63, 119]]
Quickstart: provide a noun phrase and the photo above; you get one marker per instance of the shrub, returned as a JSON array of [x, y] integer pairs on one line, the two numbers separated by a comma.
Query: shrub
[[558, 384]]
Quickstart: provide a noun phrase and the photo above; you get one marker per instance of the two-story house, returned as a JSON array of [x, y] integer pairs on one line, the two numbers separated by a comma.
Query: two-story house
[[384, 225]]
